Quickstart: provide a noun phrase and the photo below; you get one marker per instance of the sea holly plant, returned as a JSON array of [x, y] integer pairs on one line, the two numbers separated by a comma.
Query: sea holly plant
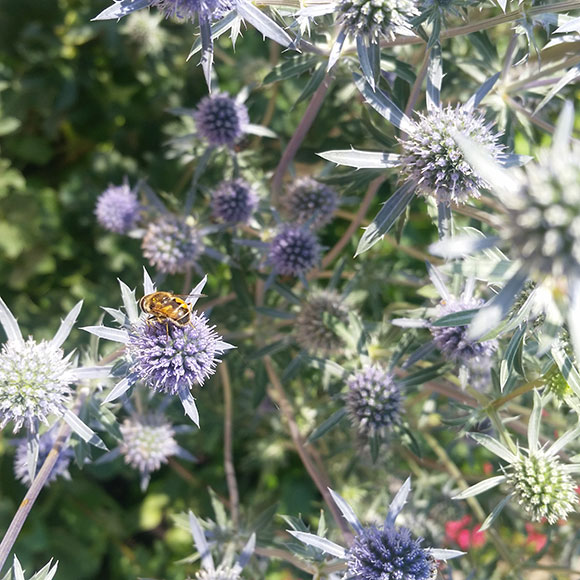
[[161, 355], [384, 551], [535, 477], [48, 572]]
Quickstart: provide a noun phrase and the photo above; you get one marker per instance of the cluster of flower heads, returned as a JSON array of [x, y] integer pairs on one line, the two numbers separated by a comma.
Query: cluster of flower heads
[[385, 551], [434, 161], [310, 202], [374, 401], [234, 201]]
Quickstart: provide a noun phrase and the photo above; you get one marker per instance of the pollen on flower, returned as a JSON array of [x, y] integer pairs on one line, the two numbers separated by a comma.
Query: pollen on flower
[[35, 383], [148, 442], [117, 209], [234, 202], [220, 573], [376, 18], [171, 244], [308, 201], [434, 161], [189, 9], [542, 487], [171, 359], [315, 326], [390, 553], [45, 444], [221, 120], [374, 400], [294, 251]]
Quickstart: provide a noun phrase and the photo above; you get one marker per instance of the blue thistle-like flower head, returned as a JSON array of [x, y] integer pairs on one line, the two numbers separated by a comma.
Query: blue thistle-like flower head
[[374, 400], [35, 382], [173, 359], [221, 120], [309, 201], [148, 442], [389, 553], [377, 18], [171, 244], [234, 201], [432, 158], [294, 251], [453, 341], [118, 209], [45, 443], [189, 9]]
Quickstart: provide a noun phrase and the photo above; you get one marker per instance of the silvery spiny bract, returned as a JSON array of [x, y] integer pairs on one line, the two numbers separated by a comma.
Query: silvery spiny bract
[[189, 9]]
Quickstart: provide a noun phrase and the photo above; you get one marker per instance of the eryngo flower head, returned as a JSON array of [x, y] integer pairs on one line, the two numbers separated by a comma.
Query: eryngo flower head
[[170, 358], [148, 442], [145, 31], [382, 552], [294, 251], [35, 377], [453, 341], [308, 201], [172, 244], [374, 400], [315, 326], [189, 9], [234, 202], [432, 158], [45, 444], [221, 120], [377, 18], [220, 573], [118, 208], [535, 477], [543, 226]]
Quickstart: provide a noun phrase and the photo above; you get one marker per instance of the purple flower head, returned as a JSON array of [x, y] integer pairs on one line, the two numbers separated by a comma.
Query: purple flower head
[[189, 9], [294, 251], [148, 442], [35, 382], [173, 359], [221, 120], [389, 553], [171, 244], [432, 158], [234, 201], [309, 201], [374, 400], [453, 342], [117, 209], [315, 327], [45, 443]]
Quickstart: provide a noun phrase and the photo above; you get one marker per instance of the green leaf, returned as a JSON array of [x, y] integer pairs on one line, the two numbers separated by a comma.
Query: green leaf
[[327, 425], [291, 68]]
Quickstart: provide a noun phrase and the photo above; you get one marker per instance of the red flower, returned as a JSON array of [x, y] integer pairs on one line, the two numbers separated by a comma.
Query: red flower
[[460, 533], [535, 539]]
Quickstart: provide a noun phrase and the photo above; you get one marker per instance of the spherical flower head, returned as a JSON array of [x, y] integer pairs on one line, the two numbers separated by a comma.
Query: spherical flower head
[[45, 444], [310, 202], [294, 251], [143, 28], [220, 573], [171, 244], [374, 400], [118, 209], [389, 553], [453, 342], [557, 385], [189, 9], [432, 158], [377, 18], [234, 201], [542, 486], [148, 442], [315, 326], [221, 120], [170, 358], [543, 228], [34, 383]]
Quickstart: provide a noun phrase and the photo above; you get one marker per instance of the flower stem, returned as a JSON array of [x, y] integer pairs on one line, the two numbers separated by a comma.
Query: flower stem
[[300, 134], [228, 447], [320, 480]]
